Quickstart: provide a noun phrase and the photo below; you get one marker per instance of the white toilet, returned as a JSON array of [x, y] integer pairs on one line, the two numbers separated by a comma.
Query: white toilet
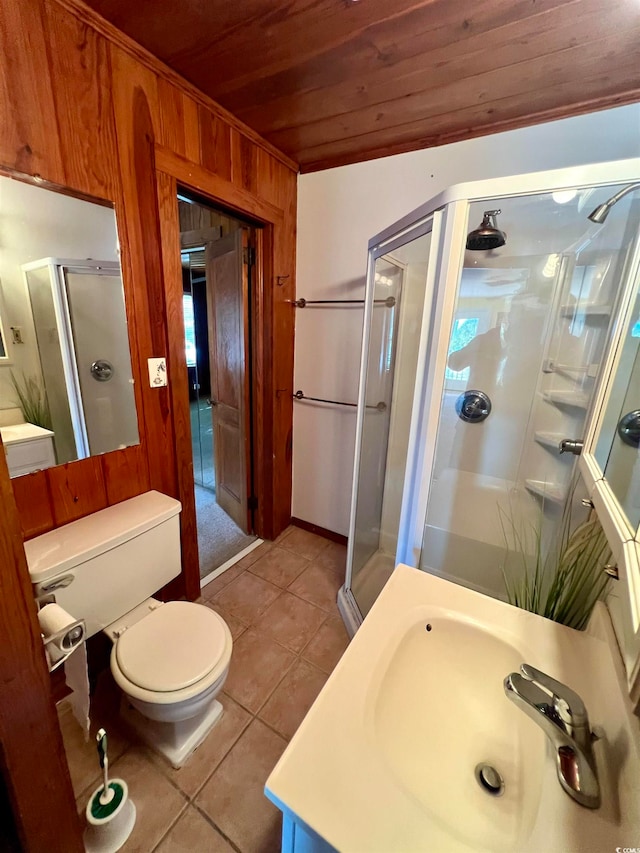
[[170, 660]]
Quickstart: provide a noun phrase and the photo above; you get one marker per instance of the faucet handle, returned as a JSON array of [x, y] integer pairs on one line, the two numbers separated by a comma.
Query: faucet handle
[[566, 701]]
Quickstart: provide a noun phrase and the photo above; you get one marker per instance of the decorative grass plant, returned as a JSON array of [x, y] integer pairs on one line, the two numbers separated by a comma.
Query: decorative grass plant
[[32, 399], [564, 583]]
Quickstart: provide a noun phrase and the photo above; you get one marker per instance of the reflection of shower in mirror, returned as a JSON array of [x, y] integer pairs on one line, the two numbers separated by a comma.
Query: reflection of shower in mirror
[[81, 333], [62, 320]]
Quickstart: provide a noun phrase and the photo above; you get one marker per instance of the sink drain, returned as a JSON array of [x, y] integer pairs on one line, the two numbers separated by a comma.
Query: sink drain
[[489, 779]]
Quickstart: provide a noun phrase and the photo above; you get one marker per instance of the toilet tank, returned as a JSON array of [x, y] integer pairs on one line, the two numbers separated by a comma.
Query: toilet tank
[[101, 566]]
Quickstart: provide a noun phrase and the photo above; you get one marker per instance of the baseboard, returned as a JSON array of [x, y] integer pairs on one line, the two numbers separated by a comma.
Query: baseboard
[[320, 531]]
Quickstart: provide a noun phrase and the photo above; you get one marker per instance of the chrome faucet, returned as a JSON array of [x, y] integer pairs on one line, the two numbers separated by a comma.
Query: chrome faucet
[[561, 714]]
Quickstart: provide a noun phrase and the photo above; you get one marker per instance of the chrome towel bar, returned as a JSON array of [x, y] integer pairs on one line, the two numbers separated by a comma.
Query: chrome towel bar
[[389, 302], [300, 395]]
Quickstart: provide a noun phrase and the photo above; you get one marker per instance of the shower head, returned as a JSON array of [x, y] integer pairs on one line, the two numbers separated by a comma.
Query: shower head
[[600, 213], [488, 235]]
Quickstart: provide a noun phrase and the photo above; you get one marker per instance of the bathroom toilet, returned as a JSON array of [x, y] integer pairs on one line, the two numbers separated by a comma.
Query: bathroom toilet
[[169, 659]]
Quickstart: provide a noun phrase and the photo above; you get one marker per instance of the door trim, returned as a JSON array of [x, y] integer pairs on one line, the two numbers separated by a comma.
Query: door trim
[[271, 464]]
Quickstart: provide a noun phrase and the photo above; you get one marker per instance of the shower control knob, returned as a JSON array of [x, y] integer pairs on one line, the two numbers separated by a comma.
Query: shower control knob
[[473, 406], [101, 370]]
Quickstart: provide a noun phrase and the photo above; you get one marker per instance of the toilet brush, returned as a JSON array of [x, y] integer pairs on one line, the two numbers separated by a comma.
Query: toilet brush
[[111, 815]]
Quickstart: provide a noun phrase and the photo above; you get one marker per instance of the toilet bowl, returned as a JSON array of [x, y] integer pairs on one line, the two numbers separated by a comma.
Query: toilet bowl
[[171, 661]]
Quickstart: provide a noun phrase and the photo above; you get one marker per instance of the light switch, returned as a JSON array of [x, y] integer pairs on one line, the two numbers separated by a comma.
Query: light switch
[[157, 372]]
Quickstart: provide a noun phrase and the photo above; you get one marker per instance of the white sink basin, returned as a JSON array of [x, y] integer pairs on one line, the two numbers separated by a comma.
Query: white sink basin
[[455, 717], [384, 761]]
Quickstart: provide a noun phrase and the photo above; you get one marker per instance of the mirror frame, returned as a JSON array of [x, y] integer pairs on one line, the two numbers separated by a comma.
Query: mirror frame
[[623, 539], [7, 358]]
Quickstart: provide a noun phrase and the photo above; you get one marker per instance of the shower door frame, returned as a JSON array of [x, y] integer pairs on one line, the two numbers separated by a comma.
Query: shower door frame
[[431, 222], [450, 212]]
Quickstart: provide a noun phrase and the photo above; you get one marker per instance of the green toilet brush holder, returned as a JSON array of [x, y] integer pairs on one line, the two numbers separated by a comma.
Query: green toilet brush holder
[[110, 814]]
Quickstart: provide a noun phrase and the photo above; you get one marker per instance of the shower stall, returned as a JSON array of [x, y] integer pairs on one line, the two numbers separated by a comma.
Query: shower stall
[[82, 342], [487, 315]]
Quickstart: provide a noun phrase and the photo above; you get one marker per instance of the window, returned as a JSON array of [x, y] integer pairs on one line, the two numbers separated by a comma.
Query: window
[[463, 332], [189, 329]]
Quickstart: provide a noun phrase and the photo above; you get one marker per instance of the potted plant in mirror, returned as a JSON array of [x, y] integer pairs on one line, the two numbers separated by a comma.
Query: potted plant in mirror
[[32, 400]]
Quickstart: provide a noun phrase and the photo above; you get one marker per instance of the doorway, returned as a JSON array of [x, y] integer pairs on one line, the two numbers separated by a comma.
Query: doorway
[[218, 257]]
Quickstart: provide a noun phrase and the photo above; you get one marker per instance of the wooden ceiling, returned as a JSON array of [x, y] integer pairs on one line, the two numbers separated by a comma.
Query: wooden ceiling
[[331, 82]]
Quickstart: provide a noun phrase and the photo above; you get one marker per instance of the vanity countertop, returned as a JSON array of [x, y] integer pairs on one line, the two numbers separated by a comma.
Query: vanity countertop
[[18, 433], [375, 764]]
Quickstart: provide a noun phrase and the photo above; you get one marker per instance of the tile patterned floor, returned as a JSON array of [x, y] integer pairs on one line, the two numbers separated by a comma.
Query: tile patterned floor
[[279, 602]]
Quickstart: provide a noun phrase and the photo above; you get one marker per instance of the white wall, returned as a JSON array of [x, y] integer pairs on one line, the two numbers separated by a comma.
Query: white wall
[[339, 210]]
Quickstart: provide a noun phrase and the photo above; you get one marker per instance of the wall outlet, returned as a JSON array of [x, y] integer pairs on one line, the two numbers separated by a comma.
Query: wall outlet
[[16, 335], [157, 372]]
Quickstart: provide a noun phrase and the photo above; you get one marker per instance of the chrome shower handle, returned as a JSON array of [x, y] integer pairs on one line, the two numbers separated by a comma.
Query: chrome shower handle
[[571, 445]]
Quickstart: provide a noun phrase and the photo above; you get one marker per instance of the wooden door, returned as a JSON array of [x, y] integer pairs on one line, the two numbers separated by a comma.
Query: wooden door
[[228, 319]]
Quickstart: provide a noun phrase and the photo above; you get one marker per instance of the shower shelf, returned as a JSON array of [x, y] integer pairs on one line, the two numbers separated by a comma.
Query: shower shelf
[[549, 439], [567, 398], [588, 309], [569, 370], [588, 370], [549, 491]]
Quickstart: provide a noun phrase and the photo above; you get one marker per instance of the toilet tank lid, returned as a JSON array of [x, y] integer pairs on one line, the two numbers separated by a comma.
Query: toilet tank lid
[[66, 547]]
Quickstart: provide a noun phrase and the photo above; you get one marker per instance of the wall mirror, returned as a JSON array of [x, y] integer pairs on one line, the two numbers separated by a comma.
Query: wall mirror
[[618, 443], [66, 383], [610, 464]]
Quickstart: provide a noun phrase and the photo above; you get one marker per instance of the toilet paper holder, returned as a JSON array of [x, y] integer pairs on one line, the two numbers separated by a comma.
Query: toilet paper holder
[[61, 644]]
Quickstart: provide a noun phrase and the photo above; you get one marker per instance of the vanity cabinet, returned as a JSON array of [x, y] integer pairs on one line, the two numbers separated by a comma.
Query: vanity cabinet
[[28, 448], [297, 837]]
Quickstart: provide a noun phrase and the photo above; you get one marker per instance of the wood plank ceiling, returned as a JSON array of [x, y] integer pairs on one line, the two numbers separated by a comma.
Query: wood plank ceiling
[[331, 82]]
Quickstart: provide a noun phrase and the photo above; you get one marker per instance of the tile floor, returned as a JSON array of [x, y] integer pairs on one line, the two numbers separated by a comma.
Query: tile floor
[[279, 602]]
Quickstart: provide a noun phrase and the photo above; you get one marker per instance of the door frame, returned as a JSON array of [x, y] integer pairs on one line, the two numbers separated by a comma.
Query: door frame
[[269, 469]]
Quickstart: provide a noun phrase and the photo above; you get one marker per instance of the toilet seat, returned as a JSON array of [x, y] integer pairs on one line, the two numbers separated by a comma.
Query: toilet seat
[[174, 653]]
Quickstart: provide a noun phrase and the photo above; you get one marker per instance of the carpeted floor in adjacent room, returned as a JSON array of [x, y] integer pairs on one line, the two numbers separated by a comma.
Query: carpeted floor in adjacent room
[[219, 538]]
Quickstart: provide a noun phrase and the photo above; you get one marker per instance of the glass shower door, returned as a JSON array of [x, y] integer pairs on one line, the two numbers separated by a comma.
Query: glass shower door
[[397, 293]]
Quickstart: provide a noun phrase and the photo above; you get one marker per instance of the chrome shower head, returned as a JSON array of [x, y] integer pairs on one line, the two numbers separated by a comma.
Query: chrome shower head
[[600, 213], [488, 235]]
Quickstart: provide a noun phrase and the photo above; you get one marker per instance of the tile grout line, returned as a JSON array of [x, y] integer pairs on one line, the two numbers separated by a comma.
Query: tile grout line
[[225, 753], [276, 586], [171, 827], [278, 544], [212, 823], [298, 657]]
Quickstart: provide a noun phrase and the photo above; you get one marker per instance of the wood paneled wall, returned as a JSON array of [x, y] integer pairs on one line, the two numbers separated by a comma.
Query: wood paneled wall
[[33, 768], [84, 107]]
